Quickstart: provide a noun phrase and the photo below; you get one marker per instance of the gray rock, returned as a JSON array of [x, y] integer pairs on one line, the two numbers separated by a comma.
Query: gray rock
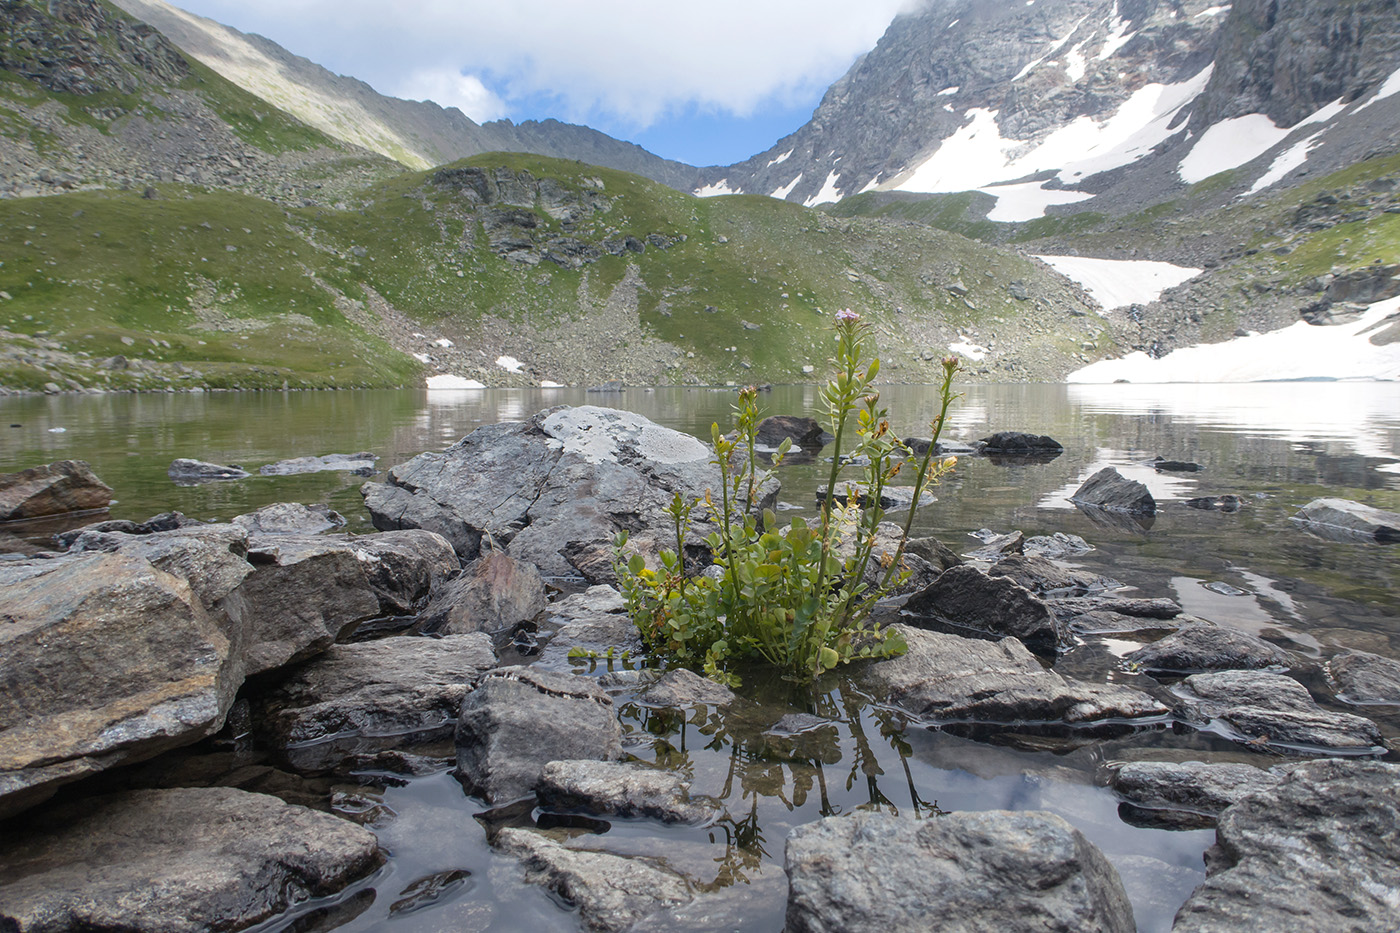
[[493, 593], [394, 508], [1195, 787], [1314, 854], [996, 870], [612, 892], [1045, 577], [105, 659], [1102, 615], [213, 559], [683, 689], [1347, 520], [407, 689], [605, 788], [1057, 546], [1273, 710], [1110, 490], [995, 546], [1361, 677], [1201, 646], [968, 600], [165, 521], [934, 552], [61, 487], [805, 433], [290, 518], [1019, 443], [175, 861], [945, 677], [594, 621], [186, 472], [515, 720], [360, 464]]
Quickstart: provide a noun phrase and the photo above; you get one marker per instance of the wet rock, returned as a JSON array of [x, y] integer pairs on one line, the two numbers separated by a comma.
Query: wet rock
[[175, 861], [105, 659], [1192, 787], [968, 600], [1056, 547], [1361, 677], [994, 870], [683, 689], [1019, 443], [290, 518], [1045, 577], [1314, 854], [612, 892], [805, 433], [1201, 646], [515, 720], [594, 621], [431, 890], [996, 546], [493, 593], [1101, 615], [605, 788], [61, 487], [1347, 520], [946, 677], [1273, 710], [1176, 466], [406, 689], [360, 464], [1225, 503], [803, 737], [1110, 490], [187, 472]]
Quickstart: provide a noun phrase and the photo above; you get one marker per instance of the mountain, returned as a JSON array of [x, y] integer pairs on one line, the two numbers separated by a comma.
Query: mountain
[[419, 134]]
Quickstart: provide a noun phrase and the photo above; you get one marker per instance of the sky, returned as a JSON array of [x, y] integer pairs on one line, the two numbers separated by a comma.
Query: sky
[[705, 83]]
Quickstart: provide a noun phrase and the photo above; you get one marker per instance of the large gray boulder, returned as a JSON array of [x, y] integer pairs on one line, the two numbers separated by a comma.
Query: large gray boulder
[[946, 677], [187, 860], [1112, 491], [105, 659], [566, 476], [55, 489], [1273, 710], [515, 720], [1201, 646], [1002, 871], [493, 593], [1362, 677], [1314, 854], [1347, 520], [966, 599]]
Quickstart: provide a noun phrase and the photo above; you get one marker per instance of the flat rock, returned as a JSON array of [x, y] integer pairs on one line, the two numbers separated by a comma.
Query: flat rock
[[1273, 710], [1110, 490], [1102, 615], [187, 472], [515, 720], [57, 488], [1361, 677], [1347, 520], [968, 600], [997, 870], [187, 860], [946, 677], [594, 621], [290, 518], [1200, 646], [1019, 443], [683, 689], [360, 464], [493, 593], [165, 521], [1045, 577], [1314, 854], [613, 789], [1195, 787], [1057, 546]]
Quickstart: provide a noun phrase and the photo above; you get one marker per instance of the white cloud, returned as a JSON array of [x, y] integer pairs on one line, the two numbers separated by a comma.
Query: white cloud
[[450, 88]]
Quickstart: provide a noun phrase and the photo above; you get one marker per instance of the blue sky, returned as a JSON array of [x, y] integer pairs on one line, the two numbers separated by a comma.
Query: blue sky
[[710, 83]]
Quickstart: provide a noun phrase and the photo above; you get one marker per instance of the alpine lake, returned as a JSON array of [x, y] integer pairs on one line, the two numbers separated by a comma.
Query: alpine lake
[[1277, 446]]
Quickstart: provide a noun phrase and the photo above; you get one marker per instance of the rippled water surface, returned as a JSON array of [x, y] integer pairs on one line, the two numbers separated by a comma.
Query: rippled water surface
[[1277, 445]]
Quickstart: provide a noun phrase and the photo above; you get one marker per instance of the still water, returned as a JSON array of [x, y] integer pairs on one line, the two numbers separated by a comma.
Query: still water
[[1275, 445]]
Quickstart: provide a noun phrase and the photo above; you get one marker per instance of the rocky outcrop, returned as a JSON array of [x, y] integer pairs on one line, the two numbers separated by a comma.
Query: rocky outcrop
[[175, 861], [61, 487], [997, 870], [1347, 520]]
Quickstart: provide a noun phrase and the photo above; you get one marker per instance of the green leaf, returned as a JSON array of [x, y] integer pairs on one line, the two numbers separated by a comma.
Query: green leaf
[[635, 564]]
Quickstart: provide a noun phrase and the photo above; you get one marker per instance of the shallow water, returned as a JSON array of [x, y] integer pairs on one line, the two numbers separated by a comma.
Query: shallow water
[[1276, 445]]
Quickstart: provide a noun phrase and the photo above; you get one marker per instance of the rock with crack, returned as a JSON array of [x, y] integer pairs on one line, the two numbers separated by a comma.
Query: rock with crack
[[612, 789], [1202, 646], [515, 720], [58, 488], [965, 599], [1013, 872], [1274, 711], [185, 860]]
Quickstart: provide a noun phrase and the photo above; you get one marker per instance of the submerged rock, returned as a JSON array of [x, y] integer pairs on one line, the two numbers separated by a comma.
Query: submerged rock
[[605, 788], [1361, 677], [1013, 872], [360, 464], [1273, 710], [58, 488], [1057, 546], [1347, 520], [290, 518], [1201, 646], [186, 860], [186, 472], [966, 599], [1110, 490], [1192, 787]]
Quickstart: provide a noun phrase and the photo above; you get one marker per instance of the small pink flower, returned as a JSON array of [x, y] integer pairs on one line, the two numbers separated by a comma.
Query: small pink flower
[[847, 316]]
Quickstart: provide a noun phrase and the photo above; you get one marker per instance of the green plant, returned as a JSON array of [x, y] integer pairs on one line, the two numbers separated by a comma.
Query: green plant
[[800, 596]]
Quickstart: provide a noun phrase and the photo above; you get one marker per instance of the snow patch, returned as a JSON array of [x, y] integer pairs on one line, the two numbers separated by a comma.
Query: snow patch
[[780, 159], [870, 185], [1027, 201], [948, 91], [448, 382], [1075, 64], [443, 342], [828, 192], [510, 364], [1054, 47], [1118, 35], [422, 357], [1214, 11], [1233, 142], [716, 189], [546, 384], [1388, 89], [786, 190], [1117, 283], [1291, 158], [968, 349]]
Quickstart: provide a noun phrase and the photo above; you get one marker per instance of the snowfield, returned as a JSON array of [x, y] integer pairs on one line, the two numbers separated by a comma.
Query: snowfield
[[1117, 283]]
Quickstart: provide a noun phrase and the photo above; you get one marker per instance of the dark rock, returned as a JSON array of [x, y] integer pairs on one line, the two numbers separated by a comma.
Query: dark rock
[[1273, 710], [61, 487], [492, 594], [683, 689], [360, 464], [1108, 489], [1360, 677], [946, 677], [393, 508], [430, 890], [1347, 520], [1201, 646], [1190, 787], [612, 385], [1175, 466], [515, 720], [995, 870], [1045, 577], [165, 521], [1225, 503], [1314, 854], [290, 518], [594, 621], [934, 552], [1102, 615], [606, 788], [804, 432], [187, 472], [968, 600], [185, 860], [1018, 443]]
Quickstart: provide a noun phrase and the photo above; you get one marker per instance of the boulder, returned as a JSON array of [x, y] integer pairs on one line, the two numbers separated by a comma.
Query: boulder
[[1102, 615], [612, 892], [1019, 443], [1190, 787], [186, 472], [567, 475], [1110, 490], [59, 488], [606, 788], [934, 552], [360, 464], [1045, 577], [185, 860], [393, 508], [1316, 853], [1273, 710], [965, 599], [805, 433], [996, 546], [290, 518], [949, 678], [594, 621], [1013, 872], [494, 593], [105, 659], [683, 689], [515, 720], [1201, 646], [1056, 547], [1347, 520], [213, 559], [1361, 677], [165, 521]]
